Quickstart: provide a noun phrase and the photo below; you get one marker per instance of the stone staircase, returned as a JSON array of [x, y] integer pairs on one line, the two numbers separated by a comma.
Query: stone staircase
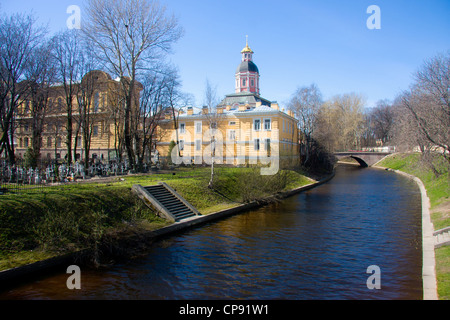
[[442, 237], [166, 201]]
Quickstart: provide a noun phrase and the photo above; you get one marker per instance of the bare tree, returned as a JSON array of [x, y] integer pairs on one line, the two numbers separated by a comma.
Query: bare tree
[[129, 35], [40, 74], [406, 134], [88, 104], [152, 100], [68, 54], [382, 120], [213, 119], [340, 122], [429, 102], [305, 103], [18, 38]]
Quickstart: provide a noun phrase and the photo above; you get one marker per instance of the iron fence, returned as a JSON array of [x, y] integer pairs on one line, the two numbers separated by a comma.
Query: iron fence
[[18, 178]]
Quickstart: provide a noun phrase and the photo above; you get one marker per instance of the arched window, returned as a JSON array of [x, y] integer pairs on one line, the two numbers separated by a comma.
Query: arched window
[[96, 101], [27, 107]]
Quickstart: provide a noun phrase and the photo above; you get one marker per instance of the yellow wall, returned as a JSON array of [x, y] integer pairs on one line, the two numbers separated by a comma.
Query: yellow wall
[[242, 149]]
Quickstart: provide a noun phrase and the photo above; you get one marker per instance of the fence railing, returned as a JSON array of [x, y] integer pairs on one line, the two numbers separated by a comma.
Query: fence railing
[[17, 178]]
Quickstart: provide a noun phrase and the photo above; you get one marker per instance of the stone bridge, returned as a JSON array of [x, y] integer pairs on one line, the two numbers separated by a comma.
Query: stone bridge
[[364, 158]]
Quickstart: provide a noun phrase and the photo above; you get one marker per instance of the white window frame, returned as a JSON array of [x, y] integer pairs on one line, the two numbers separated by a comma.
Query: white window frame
[[198, 145], [232, 135], [182, 128], [267, 144], [270, 124], [256, 144], [254, 124], [198, 127]]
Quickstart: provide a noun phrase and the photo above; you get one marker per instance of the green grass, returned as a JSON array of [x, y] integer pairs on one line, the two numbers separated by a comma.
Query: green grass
[[443, 272], [438, 190], [61, 219], [437, 186]]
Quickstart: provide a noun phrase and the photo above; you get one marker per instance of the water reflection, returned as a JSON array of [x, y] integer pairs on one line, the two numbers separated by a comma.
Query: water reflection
[[316, 245]]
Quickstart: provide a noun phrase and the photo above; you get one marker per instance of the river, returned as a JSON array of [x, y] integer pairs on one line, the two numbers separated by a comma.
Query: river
[[314, 245]]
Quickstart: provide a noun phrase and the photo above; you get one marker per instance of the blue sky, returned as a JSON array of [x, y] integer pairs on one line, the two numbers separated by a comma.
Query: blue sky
[[296, 42]]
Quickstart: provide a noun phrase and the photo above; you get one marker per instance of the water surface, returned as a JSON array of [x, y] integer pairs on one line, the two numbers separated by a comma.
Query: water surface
[[315, 245]]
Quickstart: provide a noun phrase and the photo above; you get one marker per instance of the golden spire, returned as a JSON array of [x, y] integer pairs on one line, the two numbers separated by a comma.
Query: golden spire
[[247, 48]]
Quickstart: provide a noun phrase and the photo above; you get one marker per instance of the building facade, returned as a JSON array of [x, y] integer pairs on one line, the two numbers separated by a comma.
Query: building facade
[[97, 119], [243, 129]]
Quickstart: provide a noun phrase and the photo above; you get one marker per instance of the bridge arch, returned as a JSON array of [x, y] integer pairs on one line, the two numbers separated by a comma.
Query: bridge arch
[[361, 162], [365, 159]]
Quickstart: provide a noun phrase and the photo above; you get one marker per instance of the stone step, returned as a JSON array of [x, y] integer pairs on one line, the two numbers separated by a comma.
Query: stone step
[[172, 202], [442, 238]]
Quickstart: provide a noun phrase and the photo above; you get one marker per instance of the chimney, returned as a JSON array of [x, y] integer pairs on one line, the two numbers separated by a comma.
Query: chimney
[[219, 109], [228, 108], [275, 105], [205, 110], [190, 111], [242, 107]]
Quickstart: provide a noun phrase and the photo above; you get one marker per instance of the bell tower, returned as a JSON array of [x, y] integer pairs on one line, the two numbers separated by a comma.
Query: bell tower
[[247, 73]]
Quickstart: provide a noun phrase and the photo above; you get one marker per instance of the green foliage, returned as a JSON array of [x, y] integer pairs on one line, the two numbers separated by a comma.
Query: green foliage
[[61, 221], [30, 158]]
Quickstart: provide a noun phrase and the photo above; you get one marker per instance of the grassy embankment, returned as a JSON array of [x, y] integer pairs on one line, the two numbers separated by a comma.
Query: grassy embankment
[[36, 226], [437, 185]]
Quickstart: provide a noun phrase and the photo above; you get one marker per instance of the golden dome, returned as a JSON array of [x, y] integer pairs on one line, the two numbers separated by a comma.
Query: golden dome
[[247, 48]]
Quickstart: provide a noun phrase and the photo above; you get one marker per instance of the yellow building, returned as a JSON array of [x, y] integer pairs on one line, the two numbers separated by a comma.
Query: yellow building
[[101, 121], [243, 129]]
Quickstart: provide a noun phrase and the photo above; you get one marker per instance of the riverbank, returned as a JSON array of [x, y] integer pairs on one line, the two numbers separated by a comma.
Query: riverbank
[[103, 221], [435, 180]]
